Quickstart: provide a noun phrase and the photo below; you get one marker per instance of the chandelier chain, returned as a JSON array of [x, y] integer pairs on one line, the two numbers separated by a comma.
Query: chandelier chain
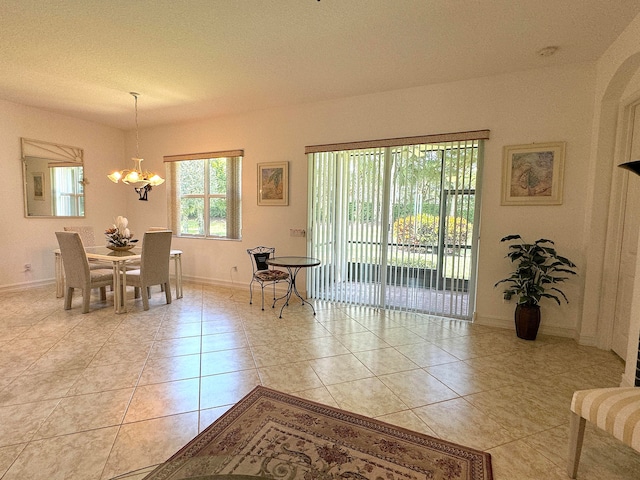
[[135, 96]]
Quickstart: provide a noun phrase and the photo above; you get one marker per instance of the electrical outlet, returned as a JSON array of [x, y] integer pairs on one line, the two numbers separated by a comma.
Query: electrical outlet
[[27, 267]]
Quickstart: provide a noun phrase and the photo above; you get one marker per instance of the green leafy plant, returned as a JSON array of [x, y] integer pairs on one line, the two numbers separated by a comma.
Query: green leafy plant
[[538, 269]]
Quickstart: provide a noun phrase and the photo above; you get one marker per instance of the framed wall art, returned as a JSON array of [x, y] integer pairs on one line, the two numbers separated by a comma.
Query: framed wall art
[[273, 183], [533, 174], [38, 185]]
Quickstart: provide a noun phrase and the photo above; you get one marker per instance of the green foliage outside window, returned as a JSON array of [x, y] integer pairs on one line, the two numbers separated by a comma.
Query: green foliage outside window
[[422, 230], [208, 193]]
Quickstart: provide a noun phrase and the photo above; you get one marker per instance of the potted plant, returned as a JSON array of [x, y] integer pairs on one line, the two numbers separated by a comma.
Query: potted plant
[[538, 269]]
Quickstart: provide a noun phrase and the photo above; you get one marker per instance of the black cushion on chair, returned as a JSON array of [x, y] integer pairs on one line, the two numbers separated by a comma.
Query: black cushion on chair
[[261, 260]]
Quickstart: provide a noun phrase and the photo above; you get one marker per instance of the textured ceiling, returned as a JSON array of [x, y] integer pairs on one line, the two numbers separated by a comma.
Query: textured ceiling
[[198, 58]]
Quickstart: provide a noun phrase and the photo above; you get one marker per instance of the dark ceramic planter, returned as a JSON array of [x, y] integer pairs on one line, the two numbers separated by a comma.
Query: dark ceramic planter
[[527, 319]]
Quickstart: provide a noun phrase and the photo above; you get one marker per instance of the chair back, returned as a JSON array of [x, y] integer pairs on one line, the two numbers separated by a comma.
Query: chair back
[[74, 259], [86, 234], [154, 264], [259, 257]]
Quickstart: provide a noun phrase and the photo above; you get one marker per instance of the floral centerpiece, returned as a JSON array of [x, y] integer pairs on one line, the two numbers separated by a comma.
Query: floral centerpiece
[[119, 236]]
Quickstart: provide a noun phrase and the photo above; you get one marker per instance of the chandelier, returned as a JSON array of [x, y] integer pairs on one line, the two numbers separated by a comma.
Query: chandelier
[[141, 180]]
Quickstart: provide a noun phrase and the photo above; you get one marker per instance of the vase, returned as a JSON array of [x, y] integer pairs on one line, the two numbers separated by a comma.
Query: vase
[[527, 318], [120, 249]]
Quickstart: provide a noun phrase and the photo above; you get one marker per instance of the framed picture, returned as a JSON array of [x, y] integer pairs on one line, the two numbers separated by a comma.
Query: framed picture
[[533, 174], [273, 183], [38, 185]]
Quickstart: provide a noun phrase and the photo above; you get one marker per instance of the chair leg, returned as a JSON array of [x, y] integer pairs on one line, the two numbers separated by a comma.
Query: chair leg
[[167, 291], [103, 293], [576, 435], [145, 297], [251, 292], [67, 298], [262, 286], [86, 299]]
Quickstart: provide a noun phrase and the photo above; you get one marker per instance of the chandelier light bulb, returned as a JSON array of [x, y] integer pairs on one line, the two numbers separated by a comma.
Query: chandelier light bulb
[[115, 176]]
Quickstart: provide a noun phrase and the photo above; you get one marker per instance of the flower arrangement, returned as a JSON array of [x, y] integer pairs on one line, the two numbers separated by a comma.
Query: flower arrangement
[[119, 235]]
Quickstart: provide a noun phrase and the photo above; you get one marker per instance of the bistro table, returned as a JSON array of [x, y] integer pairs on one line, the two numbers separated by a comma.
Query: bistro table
[[293, 265], [118, 259]]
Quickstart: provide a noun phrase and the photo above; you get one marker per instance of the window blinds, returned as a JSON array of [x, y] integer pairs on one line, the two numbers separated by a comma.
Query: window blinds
[[392, 222]]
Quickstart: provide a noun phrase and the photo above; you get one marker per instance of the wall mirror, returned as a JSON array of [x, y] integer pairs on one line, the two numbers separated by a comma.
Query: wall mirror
[[53, 179]]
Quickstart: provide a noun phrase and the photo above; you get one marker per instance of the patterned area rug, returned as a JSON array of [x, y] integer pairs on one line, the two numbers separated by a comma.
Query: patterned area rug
[[269, 434]]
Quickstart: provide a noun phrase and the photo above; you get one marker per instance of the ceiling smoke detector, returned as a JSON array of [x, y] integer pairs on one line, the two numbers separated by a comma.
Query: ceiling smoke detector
[[547, 51]]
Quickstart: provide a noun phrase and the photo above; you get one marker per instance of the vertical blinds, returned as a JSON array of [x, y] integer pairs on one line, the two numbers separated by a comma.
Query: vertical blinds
[[393, 224]]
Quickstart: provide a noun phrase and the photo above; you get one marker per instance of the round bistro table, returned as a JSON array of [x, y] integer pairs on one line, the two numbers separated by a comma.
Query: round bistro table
[[293, 266]]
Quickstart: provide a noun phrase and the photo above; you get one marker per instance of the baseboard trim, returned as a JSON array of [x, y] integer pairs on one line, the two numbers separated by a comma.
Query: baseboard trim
[[508, 324], [280, 287], [14, 287]]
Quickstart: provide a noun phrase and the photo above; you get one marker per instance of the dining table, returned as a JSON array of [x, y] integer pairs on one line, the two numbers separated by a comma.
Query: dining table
[[118, 260], [293, 265]]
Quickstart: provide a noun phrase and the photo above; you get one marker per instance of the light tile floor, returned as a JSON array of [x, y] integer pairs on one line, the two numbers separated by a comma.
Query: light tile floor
[[99, 395]]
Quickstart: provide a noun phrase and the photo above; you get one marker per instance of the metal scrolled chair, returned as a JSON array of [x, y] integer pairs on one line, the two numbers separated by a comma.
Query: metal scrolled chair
[[77, 271], [154, 266], [262, 273]]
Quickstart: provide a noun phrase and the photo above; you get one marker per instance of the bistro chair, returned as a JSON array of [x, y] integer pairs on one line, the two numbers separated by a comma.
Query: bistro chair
[[154, 266], [615, 410], [77, 271], [263, 273]]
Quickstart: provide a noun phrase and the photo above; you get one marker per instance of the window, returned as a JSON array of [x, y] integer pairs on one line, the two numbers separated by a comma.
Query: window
[[68, 189], [204, 194]]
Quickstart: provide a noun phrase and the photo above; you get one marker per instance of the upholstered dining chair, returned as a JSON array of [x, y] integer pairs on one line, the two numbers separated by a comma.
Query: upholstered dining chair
[[615, 410], [154, 266], [134, 265], [88, 240], [263, 274], [77, 271]]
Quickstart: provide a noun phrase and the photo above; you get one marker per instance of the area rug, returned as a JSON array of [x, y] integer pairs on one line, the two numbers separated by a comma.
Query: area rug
[[270, 434]]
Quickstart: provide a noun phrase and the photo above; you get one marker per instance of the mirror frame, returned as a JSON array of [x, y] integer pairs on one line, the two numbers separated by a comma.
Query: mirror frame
[[65, 155]]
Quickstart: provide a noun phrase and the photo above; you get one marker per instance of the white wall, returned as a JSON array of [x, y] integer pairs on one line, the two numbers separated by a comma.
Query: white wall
[[31, 240], [549, 104], [553, 104]]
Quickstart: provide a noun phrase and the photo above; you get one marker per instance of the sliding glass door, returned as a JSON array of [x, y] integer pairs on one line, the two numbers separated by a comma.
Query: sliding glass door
[[394, 226]]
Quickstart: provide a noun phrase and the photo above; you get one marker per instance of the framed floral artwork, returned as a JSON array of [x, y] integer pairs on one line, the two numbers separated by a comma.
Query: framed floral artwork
[[273, 183], [533, 174]]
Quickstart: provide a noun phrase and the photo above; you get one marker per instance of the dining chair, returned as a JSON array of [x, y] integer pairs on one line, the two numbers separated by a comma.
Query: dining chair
[[154, 266], [77, 271], [134, 265], [615, 410], [263, 273], [88, 240]]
